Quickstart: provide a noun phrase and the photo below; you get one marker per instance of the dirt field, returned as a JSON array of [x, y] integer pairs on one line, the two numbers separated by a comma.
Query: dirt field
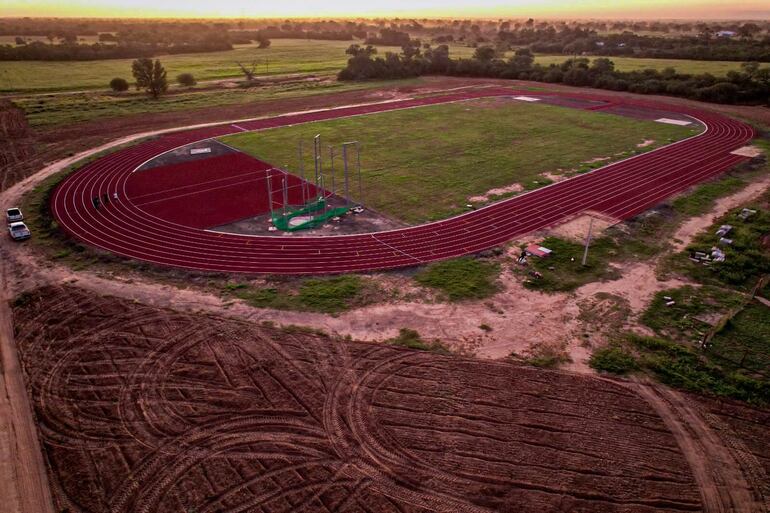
[[147, 410]]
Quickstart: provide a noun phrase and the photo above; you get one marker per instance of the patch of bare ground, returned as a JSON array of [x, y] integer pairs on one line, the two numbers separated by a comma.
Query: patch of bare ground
[[498, 191], [576, 227], [144, 409], [645, 143]]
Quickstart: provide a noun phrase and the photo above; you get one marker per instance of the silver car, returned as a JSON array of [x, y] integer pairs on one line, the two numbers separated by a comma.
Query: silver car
[[19, 231], [13, 214]]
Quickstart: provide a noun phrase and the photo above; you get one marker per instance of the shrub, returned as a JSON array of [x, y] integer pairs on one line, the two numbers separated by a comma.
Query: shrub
[[119, 85], [186, 79], [411, 339], [614, 359]]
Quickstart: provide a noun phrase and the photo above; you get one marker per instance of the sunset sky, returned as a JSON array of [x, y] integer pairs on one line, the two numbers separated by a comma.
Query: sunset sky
[[691, 9]]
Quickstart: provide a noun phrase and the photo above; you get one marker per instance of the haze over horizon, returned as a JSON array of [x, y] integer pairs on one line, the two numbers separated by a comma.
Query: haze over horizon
[[597, 9]]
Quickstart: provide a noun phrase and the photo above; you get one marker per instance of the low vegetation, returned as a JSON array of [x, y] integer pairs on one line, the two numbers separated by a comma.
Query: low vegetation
[[746, 257], [544, 356], [411, 339], [52, 111], [462, 278], [687, 313], [679, 366], [326, 295], [613, 358], [743, 342], [683, 367]]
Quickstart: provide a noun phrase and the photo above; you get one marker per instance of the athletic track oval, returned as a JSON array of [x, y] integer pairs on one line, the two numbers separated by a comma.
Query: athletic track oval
[[621, 190]]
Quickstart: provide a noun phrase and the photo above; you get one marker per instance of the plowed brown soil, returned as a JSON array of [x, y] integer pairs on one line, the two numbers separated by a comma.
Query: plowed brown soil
[[147, 410]]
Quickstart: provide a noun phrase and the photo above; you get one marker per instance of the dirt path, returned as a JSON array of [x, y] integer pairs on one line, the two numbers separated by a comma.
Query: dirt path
[[23, 479], [720, 478]]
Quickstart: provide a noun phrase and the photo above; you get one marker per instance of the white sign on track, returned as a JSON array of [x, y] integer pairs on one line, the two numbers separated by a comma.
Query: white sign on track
[[198, 151], [680, 122], [526, 99]]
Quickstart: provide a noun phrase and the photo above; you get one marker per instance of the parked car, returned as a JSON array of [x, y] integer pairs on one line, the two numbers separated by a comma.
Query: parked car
[[13, 215], [19, 231]]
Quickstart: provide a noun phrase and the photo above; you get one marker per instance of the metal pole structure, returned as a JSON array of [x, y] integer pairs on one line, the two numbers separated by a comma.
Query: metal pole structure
[[301, 171], [270, 194], [358, 163], [317, 157], [285, 193], [331, 158], [345, 171], [588, 241]]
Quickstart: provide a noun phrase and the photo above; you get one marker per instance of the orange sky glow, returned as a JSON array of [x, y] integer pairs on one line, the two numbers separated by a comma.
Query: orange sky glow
[[631, 9]]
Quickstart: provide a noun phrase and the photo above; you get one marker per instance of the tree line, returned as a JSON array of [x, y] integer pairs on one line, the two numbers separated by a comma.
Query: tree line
[[751, 85]]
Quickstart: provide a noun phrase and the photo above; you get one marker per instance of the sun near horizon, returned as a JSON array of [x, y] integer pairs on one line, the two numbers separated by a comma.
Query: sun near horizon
[[631, 9]]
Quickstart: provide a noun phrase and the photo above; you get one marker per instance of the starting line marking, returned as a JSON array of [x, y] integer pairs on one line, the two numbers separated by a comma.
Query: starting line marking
[[679, 122], [526, 98], [239, 128]]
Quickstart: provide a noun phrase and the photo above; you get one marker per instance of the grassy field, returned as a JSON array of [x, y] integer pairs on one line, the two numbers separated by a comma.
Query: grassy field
[[423, 164], [717, 68], [46, 111], [284, 56]]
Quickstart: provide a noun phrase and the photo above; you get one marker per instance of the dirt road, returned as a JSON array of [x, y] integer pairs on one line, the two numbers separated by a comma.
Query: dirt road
[[23, 480], [721, 480]]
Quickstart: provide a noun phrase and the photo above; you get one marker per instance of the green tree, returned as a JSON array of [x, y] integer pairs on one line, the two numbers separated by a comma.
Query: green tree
[[484, 53], [150, 76]]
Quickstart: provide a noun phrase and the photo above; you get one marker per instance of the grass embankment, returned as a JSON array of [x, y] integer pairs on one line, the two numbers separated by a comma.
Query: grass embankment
[[462, 278], [716, 68], [325, 295], [681, 367], [51, 111], [424, 164]]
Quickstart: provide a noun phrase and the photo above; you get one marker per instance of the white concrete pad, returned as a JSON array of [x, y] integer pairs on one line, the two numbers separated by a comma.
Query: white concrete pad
[[526, 99], [748, 151], [679, 122]]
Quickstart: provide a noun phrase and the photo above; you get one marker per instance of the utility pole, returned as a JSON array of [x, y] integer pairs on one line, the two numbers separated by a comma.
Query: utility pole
[[588, 240]]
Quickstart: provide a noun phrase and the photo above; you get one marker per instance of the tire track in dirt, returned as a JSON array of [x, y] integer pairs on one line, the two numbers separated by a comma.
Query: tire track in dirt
[[146, 410], [722, 483]]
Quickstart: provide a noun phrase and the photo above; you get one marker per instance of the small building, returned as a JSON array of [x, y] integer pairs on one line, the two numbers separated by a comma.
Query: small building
[[724, 230], [538, 251]]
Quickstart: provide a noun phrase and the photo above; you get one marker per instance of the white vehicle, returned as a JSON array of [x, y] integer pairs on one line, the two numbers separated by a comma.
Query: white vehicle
[[19, 231], [13, 214]]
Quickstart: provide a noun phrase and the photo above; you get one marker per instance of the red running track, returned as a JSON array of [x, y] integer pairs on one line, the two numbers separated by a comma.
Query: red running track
[[621, 190]]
